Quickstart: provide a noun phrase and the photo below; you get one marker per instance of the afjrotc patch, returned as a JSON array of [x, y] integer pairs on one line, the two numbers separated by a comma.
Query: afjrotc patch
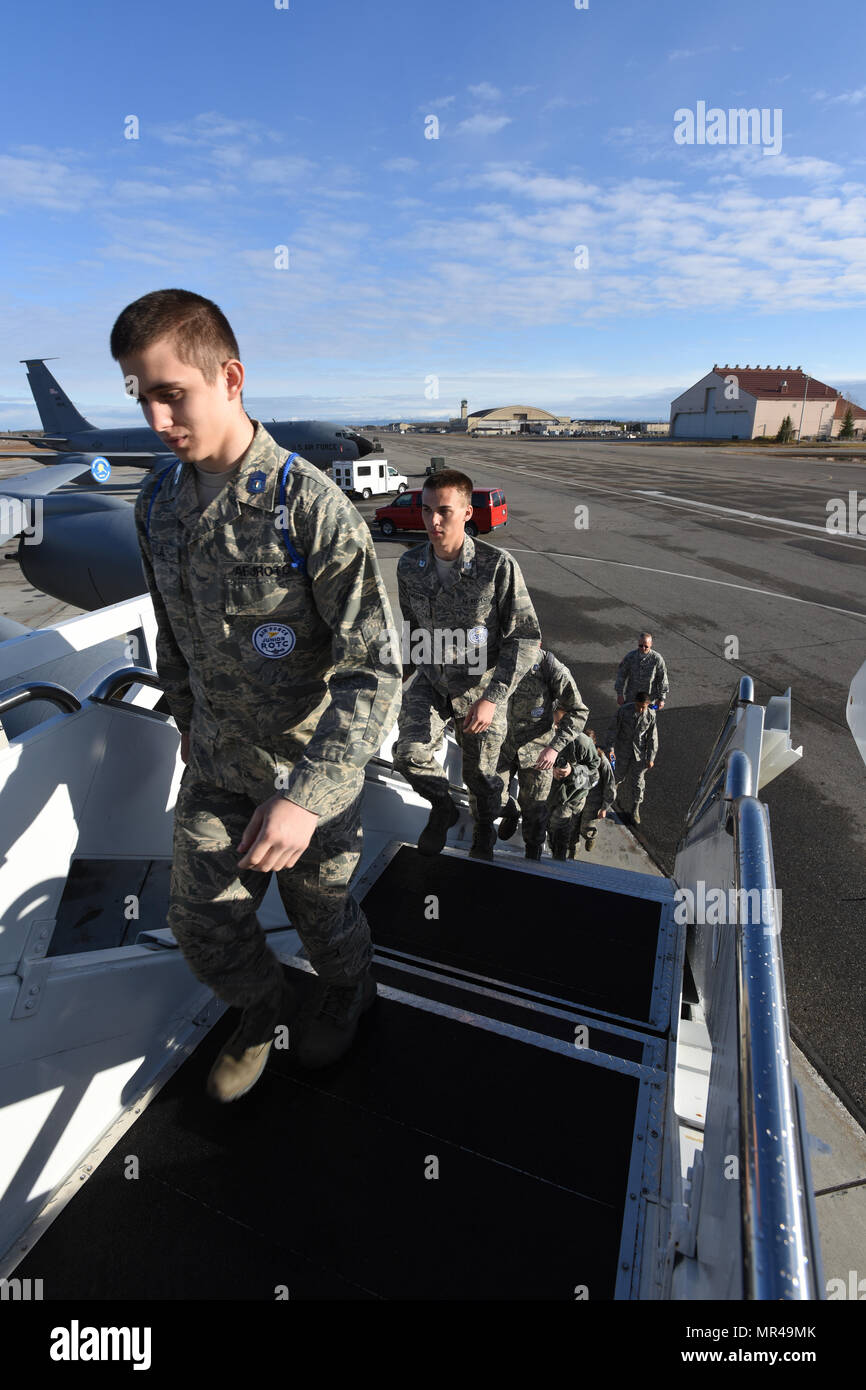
[[274, 640]]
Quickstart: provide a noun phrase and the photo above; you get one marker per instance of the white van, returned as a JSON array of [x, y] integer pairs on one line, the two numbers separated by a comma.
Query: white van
[[368, 476]]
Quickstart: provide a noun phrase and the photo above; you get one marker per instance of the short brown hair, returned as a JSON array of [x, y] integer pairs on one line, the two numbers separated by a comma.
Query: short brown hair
[[450, 477], [201, 333]]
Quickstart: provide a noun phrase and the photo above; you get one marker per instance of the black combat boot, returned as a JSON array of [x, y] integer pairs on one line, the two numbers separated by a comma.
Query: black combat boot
[[326, 1026], [443, 815], [508, 823], [559, 844], [531, 851], [483, 840]]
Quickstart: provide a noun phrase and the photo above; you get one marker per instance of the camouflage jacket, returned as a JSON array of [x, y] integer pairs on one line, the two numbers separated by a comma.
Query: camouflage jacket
[[481, 629], [632, 735], [603, 795], [276, 653], [547, 685], [642, 671], [582, 756]]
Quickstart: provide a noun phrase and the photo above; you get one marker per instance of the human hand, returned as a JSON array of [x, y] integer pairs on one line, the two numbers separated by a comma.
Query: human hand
[[276, 836], [546, 759], [602, 815], [649, 765], [620, 700], [560, 773], [479, 716]]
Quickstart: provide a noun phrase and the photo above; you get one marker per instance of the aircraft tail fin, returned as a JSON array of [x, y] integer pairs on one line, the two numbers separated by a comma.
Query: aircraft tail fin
[[56, 411]]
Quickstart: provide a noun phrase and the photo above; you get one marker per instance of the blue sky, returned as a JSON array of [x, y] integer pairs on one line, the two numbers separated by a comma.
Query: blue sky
[[420, 265]]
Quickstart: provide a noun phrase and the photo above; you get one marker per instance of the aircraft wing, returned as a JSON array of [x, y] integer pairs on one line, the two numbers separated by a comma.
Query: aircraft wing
[[14, 492]]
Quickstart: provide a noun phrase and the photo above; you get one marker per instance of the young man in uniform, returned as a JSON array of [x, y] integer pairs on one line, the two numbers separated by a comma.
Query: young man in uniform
[[599, 801], [545, 713], [642, 669], [270, 609], [634, 741], [575, 774], [467, 603]]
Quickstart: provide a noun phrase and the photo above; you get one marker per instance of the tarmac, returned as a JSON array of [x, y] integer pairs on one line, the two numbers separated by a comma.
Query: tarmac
[[697, 551]]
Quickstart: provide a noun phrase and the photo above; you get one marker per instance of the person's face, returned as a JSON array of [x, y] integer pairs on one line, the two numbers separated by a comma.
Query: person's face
[[445, 516], [642, 707], [192, 416], [644, 644]]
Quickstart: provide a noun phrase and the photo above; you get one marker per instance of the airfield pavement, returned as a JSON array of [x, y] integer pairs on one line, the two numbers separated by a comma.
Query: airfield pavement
[[665, 546]]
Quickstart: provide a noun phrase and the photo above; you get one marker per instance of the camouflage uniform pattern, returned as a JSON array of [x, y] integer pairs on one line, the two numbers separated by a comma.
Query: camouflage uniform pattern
[[642, 671], [568, 797], [635, 741], [284, 684], [601, 797], [486, 600], [548, 685]]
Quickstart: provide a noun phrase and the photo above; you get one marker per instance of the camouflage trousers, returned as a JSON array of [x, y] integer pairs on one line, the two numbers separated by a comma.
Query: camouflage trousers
[[630, 775], [213, 907], [533, 791], [423, 716], [562, 825]]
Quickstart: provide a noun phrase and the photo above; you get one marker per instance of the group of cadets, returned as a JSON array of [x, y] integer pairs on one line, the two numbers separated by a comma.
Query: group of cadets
[[516, 708], [271, 612]]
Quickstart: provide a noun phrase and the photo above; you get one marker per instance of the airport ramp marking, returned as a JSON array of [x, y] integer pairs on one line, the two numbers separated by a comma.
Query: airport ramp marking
[[731, 511], [695, 578], [662, 499]]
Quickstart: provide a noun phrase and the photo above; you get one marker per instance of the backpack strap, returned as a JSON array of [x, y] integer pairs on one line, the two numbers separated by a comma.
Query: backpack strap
[[161, 477], [297, 560]]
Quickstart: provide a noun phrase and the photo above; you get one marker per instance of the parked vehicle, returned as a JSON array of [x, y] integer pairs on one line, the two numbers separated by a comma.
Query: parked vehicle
[[368, 476], [489, 511]]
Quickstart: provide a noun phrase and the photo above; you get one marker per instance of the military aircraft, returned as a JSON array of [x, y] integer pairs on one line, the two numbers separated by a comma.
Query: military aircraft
[[67, 431]]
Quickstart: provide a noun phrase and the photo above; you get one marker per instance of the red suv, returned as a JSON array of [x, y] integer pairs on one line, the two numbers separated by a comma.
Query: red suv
[[489, 510]]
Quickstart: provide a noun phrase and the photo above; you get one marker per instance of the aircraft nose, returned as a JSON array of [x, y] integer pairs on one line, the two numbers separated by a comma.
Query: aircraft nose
[[363, 445]]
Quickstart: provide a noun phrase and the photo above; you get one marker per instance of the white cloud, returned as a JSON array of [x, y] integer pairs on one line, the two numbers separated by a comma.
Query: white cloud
[[483, 125], [45, 179], [679, 53], [483, 91], [855, 98], [401, 165]]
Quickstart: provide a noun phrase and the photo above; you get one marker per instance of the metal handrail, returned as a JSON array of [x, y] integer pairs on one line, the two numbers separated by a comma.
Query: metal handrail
[[743, 695], [39, 690], [776, 1231], [120, 680]]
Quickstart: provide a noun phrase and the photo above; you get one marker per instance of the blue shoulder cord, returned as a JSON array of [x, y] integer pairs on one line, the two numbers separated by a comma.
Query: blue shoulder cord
[[297, 561]]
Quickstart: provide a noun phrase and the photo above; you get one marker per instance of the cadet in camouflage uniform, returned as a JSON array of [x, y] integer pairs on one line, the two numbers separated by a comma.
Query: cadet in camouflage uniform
[[575, 774], [634, 740], [534, 738], [270, 610], [480, 614], [600, 800], [642, 669]]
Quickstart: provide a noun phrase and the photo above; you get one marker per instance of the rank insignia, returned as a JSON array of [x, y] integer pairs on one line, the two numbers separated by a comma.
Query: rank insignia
[[256, 482]]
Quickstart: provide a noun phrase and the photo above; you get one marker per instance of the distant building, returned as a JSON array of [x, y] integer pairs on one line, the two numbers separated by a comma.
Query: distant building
[[751, 402], [516, 419], [858, 421]]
